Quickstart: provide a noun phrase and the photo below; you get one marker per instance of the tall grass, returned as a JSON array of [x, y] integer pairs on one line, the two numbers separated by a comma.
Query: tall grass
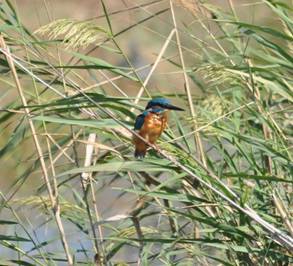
[[217, 190]]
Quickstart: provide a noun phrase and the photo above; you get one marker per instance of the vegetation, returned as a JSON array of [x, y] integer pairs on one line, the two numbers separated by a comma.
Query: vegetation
[[216, 190]]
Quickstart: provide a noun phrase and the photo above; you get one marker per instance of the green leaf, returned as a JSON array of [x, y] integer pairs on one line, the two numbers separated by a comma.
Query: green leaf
[[103, 123], [15, 138], [98, 63], [180, 197], [257, 177], [7, 222], [265, 29], [22, 262], [124, 166], [14, 238]]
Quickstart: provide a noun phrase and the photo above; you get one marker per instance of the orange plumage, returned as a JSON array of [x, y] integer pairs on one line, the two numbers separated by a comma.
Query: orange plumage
[[151, 123], [152, 128]]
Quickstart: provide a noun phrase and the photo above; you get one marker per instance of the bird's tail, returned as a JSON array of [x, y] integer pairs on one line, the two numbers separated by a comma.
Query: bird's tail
[[140, 153], [140, 148]]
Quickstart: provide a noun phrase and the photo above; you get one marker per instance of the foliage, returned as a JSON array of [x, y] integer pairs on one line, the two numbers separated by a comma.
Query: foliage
[[83, 196]]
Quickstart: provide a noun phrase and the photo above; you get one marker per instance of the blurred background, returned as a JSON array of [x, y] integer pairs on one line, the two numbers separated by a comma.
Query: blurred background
[[141, 29], [141, 44]]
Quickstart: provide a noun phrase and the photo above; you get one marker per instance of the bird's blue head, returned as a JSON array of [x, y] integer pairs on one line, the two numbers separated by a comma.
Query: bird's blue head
[[164, 103]]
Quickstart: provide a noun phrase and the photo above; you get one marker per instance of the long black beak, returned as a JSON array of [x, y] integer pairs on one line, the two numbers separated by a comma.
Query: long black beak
[[173, 107]]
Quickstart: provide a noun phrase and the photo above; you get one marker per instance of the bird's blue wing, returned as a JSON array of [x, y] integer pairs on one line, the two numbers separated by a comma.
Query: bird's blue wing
[[139, 122]]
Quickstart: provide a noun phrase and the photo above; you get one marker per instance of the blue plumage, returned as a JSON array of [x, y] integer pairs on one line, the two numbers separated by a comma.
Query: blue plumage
[[162, 103], [158, 102], [140, 120]]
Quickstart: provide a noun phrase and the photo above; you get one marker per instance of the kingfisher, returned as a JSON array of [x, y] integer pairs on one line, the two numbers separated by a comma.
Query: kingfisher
[[151, 123]]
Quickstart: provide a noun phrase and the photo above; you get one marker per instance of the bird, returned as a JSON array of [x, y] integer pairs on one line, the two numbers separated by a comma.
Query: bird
[[151, 123]]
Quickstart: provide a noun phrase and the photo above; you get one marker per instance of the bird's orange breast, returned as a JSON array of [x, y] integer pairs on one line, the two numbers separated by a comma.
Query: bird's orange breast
[[151, 130], [153, 126]]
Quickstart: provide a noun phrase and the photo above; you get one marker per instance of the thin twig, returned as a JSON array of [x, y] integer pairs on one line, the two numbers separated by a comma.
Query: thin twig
[[197, 139], [210, 123], [283, 212], [277, 235], [158, 59], [63, 151], [130, 8], [86, 179], [53, 199]]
